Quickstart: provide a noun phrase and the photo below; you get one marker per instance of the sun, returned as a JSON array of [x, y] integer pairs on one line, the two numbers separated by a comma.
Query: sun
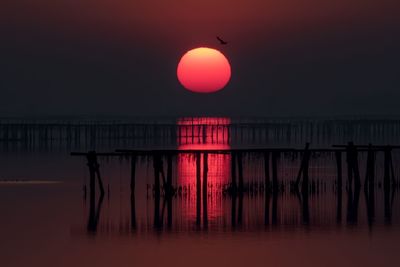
[[204, 70]]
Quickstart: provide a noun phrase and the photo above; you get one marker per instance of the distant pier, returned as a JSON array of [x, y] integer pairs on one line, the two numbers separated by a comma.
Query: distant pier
[[97, 134]]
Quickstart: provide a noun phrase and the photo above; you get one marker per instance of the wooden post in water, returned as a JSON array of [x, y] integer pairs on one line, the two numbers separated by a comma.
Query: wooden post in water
[[233, 172], [92, 185], [267, 188], [205, 187], [94, 169], [274, 172], [304, 169], [370, 172], [338, 156], [386, 183], [198, 188], [94, 215], [266, 172], [169, 190], [156, 166], [357, 177], [349, 161], [169, 187], [275, 188], [240, 171], [305, 188], [355, 204], [369, 185], [133, 182], [303, 173], [99, 179], [387, 168], [133, 173], [352, 161]]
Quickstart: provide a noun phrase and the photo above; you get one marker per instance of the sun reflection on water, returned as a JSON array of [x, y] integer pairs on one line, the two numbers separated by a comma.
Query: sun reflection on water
[[204, 134]]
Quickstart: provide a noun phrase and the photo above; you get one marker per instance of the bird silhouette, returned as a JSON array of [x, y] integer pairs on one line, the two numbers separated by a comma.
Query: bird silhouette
[[221, 41]]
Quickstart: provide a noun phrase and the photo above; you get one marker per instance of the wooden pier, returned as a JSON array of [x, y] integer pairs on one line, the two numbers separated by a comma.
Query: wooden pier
[[237, 183], [300, 185]]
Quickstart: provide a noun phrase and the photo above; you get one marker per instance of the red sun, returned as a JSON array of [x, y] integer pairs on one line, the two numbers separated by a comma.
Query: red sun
[[204, 70]]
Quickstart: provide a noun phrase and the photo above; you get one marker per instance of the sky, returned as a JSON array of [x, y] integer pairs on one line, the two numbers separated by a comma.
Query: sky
[[119, 57]]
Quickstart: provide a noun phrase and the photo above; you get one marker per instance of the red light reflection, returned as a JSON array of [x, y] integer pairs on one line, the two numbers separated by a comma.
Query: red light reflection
[[204, 134]]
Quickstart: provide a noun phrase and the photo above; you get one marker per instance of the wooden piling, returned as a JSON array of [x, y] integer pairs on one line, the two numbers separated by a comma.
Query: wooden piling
[[169, 187], [357, 177], [387, 168], [233, 172], [266, 172], [133, 173], [275, 185], [267, 188], [304, 171], [352, 205], [205, 187], [349, 161], [386, 184], [275, 188], [156, 166], [94, 215], [369, 185], [303, 165], [352, 165], [198, 188], [99, 180], [240, 171], [169, 190], [305, 188], [92, 184], [94, 169], [338, 156], [370, 172]]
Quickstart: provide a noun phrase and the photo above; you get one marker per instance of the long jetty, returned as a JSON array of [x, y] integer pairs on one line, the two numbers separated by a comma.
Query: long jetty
[[300, 184], [270, 155]]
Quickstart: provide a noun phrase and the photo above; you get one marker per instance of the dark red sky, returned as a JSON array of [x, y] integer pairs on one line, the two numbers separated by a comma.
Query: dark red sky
[[304, 57]]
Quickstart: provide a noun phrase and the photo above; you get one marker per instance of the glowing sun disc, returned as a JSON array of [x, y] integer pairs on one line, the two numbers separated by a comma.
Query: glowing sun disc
[[204, 70]]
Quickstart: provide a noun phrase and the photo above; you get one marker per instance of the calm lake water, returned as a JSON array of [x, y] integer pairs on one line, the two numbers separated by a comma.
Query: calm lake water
[[47, 218]]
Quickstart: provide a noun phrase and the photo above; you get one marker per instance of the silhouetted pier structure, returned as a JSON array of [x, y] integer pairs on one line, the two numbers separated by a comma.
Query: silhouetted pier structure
[[301, 185]]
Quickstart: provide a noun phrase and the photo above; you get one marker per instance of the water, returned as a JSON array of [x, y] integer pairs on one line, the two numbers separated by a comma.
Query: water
[[46, 220]]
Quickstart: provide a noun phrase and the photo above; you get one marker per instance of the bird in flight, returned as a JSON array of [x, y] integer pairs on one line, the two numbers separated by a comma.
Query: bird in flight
[[221, 41]]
